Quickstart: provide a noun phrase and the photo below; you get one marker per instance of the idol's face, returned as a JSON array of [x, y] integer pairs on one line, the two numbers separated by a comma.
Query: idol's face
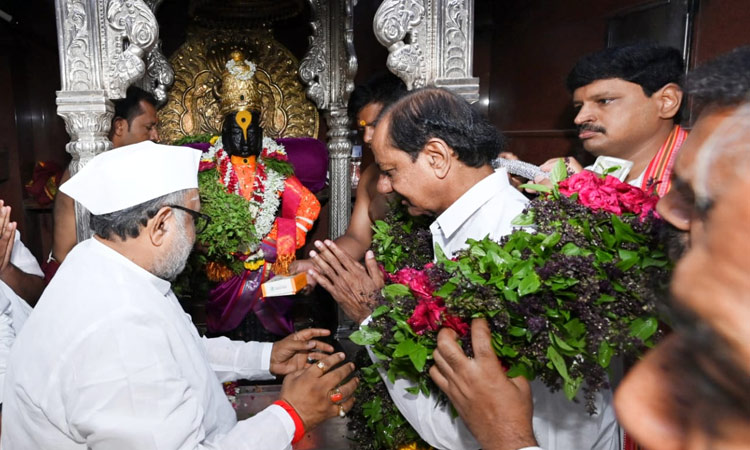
[[614, 116], [413, 180], [242, 134]]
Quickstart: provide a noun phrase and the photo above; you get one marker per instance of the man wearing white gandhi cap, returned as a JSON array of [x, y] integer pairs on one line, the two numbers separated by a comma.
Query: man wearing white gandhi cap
[[108, 359]]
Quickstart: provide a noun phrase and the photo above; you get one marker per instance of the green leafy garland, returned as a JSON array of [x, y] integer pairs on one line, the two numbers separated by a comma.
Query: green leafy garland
[[231, 225]]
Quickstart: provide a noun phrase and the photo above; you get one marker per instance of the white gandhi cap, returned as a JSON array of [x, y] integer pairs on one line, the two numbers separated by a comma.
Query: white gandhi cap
[[133, 174]]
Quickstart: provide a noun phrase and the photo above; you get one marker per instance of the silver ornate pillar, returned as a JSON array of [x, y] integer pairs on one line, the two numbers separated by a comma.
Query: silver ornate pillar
[[430, 43], [328, 70], [102, 44]]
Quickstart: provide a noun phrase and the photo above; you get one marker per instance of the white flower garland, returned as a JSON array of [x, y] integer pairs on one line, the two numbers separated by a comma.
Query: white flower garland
[[239, 72], [263, 213]]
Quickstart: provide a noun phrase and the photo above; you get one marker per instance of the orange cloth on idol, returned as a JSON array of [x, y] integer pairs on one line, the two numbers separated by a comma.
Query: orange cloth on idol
[[307, 211]]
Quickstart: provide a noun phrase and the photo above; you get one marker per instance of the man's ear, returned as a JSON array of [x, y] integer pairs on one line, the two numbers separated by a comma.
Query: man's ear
[[119, 126], [439, 156], [670, 99], [159, 225]]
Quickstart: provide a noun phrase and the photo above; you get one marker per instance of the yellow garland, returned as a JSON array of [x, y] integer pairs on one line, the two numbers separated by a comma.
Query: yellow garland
[[255, 264]]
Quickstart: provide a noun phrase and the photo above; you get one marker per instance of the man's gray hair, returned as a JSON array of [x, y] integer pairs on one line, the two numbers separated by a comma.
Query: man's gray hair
[[128, 222], [723, 156]]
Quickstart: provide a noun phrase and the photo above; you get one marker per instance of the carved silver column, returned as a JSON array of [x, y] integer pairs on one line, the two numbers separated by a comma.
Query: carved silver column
[[328, 70], [101, 45], [430, 43]]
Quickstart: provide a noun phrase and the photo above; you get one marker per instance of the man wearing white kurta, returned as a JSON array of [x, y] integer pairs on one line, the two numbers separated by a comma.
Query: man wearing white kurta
[[435, 151], [13, 309], [109, 360]]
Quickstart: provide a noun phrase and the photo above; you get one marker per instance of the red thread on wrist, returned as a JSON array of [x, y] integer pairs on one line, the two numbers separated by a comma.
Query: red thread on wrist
[[299, 427]]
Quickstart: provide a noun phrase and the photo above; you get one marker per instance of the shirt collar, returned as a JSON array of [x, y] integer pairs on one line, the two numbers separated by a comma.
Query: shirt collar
[[159, 284], [452, 218]]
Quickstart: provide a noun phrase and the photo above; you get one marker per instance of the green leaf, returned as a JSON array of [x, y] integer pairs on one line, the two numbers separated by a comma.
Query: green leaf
[[520, 369], [575, 328], [396, 290], [623, 231], [365, 336], [559, 363], [570, 387], [416, 352], [529, 284], [604, 355], [604, 298], [445, 290], [380, 310], [560, 342], [523, 220], [628, 259], [536, 187], [643, 328], [559, 172]]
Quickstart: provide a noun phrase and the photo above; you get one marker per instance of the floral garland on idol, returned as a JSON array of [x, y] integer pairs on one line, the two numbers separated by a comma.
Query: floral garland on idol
[[572, 288], [231, 241]]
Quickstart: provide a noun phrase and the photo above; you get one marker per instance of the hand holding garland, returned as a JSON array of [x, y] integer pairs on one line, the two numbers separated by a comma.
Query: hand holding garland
[[351, 284], [497, 409]]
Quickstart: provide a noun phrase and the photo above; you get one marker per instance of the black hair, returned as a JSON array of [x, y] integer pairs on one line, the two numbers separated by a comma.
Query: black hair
[[650, 66], [723, 81], [438, 113], [129, 108], [128, 222], [383, 87]]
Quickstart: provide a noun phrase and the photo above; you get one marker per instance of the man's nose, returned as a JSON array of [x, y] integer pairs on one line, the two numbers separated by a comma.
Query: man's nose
[[369, 131], [584, 115], [384, 185], [154, 135]]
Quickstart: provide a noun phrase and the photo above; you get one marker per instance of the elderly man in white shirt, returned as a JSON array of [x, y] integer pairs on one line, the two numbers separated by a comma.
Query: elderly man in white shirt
[[21, 284], [109, 360], [436, 151]]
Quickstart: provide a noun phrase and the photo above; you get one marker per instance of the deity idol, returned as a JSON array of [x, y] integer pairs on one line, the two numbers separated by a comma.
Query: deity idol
[[280, 210]]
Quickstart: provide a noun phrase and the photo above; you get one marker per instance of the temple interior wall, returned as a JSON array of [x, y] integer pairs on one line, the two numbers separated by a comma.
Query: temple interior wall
[[523, 50]]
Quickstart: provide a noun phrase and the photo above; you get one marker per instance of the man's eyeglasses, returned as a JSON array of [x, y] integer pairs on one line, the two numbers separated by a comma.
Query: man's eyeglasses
[[200, 220]]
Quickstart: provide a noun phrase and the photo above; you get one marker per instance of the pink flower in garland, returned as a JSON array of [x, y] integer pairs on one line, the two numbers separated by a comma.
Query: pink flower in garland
[[456, 324], [608, 194], [416, 280], [206, 165], [427, 315]]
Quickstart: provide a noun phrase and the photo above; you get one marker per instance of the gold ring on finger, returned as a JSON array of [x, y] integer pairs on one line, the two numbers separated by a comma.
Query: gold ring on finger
[[321, 365]]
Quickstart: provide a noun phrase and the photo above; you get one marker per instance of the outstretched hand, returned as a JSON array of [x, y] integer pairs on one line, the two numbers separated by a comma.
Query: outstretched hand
[[295, 351], [351, 284], [497, 409]]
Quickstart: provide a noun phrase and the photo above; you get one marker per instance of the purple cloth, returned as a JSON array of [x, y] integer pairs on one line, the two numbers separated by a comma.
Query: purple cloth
[[202, 146], [229, 303], [310, 160]]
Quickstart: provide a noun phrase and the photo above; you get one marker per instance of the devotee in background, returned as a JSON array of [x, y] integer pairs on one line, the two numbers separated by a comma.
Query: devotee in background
[[109, 359], [21, 284], [365, 104], [435, 151], [691, 391], [134, 121], [628, 107]]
